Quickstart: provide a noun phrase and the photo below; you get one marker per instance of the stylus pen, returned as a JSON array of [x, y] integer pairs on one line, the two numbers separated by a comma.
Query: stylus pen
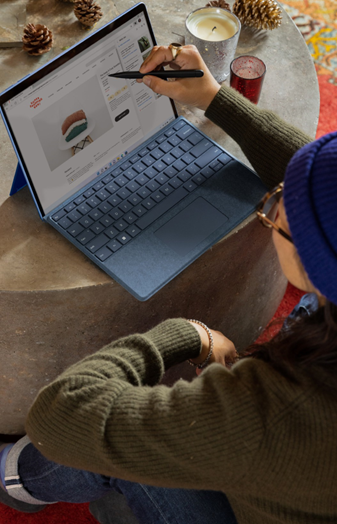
[[181, 73]]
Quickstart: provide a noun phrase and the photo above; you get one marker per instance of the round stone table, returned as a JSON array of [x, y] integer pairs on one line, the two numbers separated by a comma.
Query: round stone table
[[56, 306]]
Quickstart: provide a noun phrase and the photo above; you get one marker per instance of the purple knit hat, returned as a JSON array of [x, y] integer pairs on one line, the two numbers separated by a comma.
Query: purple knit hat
[[310, 200]]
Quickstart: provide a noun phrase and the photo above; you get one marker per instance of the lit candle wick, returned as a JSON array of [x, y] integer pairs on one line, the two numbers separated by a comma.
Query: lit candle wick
[[214, 28]]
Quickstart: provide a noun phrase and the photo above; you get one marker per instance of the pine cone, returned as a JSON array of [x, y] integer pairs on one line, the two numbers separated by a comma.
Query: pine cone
[[88, 12], [219, 3], [37, 39], [261, 14]]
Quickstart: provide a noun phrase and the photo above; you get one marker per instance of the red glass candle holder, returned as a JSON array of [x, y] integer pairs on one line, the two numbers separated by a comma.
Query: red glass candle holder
[[247, 75]]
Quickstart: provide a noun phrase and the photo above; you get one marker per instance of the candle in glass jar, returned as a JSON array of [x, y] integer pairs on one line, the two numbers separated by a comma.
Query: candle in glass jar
[[215, 32], [214, 26]]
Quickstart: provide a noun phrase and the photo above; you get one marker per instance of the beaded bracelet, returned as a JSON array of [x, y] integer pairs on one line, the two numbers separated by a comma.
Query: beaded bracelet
[[211, 344]]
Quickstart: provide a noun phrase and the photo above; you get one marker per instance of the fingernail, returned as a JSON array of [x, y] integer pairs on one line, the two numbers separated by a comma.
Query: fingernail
[[147, 80]]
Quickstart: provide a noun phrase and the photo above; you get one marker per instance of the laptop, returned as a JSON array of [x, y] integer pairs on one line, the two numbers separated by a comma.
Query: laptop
[[110, 165]]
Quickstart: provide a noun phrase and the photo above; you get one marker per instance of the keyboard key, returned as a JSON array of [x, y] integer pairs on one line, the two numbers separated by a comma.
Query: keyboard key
[[157, 153], [139, 210], [166, 189], [121, 225], [86, 221], [103, 253], [195, 138], [106, 221], [169, 132], [153, 185], [177, 152], [184, 176], [74, 216], [79, 200], [161, 178], [112, 187], [65, 223], [148, 160], [207, 157], [142, 179], [170, 171], [134, 159], [175, 182], [143, 192], [121, 181], [69, 207], [165, 147], [190, 186], [134, 199], [89, 193], [97, 228], [224, 159], [114, 245], [143, 152], [114, 200], [58, 215], [215, 165], [179, 124], [98, 186], [133, 231], [116, 213], [179, 165], [148, 203], [157, 196], [107, 179], [187, 158], [150, 172], [123, 238], [152, 146], [133, 186], [124, 166], [75, 229], [198, 179], [200, 148], [102, 194], [185, 145], [84, 209], [139, 167], [111, 232], [184, 132], [118, 171], [168, 159], [98, 242], [207, 172], [105, 207], [124, 193], [85, 236], [130, 218], [130, 173], [95, 214], [125, 206], [192, 169], [93, 201], [174, 140], [161, 208], [159, 166], [160, 139]]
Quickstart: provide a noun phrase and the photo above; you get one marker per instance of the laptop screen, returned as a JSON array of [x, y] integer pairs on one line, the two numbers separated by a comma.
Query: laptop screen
[[75, 122]]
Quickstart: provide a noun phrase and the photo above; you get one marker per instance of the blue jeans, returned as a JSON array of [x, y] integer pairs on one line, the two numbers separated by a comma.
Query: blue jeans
[[115, 501], [120, 501]]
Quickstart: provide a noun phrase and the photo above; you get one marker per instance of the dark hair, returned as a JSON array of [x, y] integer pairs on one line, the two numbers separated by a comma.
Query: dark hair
[[305, 342]]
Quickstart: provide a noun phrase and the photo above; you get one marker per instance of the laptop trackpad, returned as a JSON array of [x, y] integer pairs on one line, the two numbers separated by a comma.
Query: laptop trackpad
[[191, 226]]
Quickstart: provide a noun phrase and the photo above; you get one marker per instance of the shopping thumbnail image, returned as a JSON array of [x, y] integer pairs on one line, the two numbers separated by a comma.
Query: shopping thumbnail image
[[72, 123], [143, 43]]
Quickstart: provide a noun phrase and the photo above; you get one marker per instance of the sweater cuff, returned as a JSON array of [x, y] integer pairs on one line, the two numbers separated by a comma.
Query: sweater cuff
[[176, 340]]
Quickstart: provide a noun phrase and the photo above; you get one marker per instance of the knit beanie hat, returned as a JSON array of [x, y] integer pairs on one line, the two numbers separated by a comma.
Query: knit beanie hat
[[310, 201]]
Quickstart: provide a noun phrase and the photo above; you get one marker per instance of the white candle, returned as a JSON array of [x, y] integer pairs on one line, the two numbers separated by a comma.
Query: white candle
[[212, 25]]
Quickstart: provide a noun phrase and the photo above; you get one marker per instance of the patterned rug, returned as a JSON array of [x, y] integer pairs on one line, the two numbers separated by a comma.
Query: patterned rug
[[317, 21]]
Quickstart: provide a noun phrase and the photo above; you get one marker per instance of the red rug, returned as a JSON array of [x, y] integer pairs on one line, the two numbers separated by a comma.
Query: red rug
[[320, 31]]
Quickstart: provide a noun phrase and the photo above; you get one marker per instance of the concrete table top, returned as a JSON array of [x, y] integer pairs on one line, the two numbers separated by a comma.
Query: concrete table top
[[56, 305]]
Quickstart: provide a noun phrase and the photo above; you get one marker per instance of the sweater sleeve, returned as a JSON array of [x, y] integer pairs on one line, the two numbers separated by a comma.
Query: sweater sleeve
[[107, 414], [267, 141]]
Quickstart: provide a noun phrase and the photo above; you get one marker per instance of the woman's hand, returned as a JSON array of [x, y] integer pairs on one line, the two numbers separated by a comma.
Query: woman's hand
[[198, 92], [224, 351]]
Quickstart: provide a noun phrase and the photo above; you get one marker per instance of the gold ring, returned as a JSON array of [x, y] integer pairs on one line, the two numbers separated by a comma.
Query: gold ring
[[175, 50]]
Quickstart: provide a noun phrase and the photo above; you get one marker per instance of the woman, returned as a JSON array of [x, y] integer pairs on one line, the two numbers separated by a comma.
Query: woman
[[262, 431]]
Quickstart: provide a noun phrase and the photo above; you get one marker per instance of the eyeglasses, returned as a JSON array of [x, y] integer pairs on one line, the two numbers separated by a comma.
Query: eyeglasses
[[267, 210]]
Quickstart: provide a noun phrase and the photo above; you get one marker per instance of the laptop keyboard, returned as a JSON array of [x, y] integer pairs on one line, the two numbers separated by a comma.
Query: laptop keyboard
[[133, 195]]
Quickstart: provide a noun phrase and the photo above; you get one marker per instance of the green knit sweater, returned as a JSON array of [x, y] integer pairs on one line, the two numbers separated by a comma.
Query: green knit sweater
[[269, 443]]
